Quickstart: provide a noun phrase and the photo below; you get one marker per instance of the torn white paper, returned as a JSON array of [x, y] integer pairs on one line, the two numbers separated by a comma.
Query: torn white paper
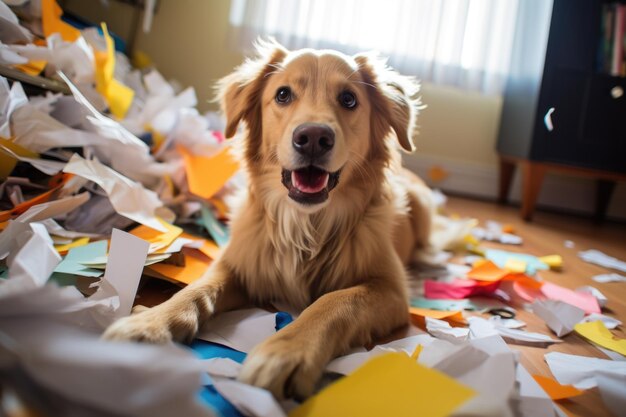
[[480, 327], [223, 367], [10, 100], [560, 317], [600, 258], [159, 381], [129, 198], [508, 323], [580, 371], [36, 213], [441, 329], [32, 264], [250, 401], [613, 277], [130, 156], [612, 388], [609, 322], [602, 300]]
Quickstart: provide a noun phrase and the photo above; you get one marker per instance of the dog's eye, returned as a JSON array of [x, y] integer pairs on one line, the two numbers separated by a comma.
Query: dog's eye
[[283, 95], [347, 99]]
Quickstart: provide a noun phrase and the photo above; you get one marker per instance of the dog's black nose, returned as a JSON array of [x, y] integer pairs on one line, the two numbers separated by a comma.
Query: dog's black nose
[[313, 139]]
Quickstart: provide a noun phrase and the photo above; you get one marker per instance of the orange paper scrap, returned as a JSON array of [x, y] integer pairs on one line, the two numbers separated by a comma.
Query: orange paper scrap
[[487, 271], [418, 316], [51, 21], [555, 390], [194, 268], [207, 175], [158, 240]]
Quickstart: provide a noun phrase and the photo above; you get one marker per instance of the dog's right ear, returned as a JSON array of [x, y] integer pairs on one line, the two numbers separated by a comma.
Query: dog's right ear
[[240, 92]]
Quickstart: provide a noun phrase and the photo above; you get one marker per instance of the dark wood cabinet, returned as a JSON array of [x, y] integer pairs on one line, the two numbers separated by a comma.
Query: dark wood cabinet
[[560, 110]]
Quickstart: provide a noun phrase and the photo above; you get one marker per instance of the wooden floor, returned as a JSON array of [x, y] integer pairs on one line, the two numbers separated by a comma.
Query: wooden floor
[[545, 235]]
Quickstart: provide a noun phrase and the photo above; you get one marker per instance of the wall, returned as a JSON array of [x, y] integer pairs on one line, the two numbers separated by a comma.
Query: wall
[[458, 129]]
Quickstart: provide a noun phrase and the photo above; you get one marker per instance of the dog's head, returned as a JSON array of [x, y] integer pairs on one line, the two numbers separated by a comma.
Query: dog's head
[[316, 120]]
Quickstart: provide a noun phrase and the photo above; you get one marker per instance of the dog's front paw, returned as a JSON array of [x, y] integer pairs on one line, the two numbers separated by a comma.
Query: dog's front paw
[[153, 326], [282, 366], [142, 327]]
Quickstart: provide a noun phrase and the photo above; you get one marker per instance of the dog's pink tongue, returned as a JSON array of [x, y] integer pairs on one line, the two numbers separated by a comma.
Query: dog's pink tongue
[[309, 181]]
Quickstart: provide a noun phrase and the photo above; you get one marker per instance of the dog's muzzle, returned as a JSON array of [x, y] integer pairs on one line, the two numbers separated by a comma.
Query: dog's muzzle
[[309, 185]]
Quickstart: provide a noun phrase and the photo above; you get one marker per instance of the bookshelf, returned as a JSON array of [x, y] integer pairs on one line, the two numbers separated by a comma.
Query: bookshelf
[[564, 106]]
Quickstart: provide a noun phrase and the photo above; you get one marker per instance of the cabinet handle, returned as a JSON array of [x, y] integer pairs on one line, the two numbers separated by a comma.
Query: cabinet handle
[[617, 92], [547, 119]]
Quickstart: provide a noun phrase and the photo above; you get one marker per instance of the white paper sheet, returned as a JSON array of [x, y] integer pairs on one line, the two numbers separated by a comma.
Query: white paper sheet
[[600, 258], [123, 272], [250, 401], [560, 317], [129, 198], [241, 330]]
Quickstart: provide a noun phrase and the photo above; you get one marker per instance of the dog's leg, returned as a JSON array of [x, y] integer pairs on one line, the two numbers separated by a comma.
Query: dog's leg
[[290, 363], [180, 317]]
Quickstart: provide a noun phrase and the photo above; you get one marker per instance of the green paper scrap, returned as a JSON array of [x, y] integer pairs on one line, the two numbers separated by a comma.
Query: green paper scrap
[[218, 231], [73, 263], [100, 262], [500, 258], [4, 272], [448, 305]]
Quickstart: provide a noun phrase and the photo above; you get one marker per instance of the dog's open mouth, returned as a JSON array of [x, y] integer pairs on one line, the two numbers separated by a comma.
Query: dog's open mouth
[[309, 185]]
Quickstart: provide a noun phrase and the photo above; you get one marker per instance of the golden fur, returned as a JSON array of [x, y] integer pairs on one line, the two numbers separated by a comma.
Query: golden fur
[[342, 261]]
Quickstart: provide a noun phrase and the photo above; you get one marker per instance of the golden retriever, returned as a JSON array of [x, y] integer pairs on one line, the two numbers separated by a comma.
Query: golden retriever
[[329, 219]]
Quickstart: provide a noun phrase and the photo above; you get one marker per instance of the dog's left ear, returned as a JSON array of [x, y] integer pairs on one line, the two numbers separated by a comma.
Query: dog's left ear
[[394, 100]]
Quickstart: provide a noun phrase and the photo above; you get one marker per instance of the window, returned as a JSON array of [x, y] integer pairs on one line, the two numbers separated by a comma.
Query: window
[[466, 43]]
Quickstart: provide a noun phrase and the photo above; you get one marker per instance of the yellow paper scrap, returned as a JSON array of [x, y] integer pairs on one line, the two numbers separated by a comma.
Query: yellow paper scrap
[[388, 385], [158, 240], [76, 243], [516, 266], [32, 68], [597, 332], [51, 22], [207, 175], [416, 353], [118, 96], [7, 162], [553, 261]]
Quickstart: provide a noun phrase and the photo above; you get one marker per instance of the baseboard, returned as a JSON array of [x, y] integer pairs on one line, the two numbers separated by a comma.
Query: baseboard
[[558, 192]]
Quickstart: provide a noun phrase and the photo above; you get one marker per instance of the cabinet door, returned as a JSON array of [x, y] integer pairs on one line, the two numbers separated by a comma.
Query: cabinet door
[[605, 121]]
